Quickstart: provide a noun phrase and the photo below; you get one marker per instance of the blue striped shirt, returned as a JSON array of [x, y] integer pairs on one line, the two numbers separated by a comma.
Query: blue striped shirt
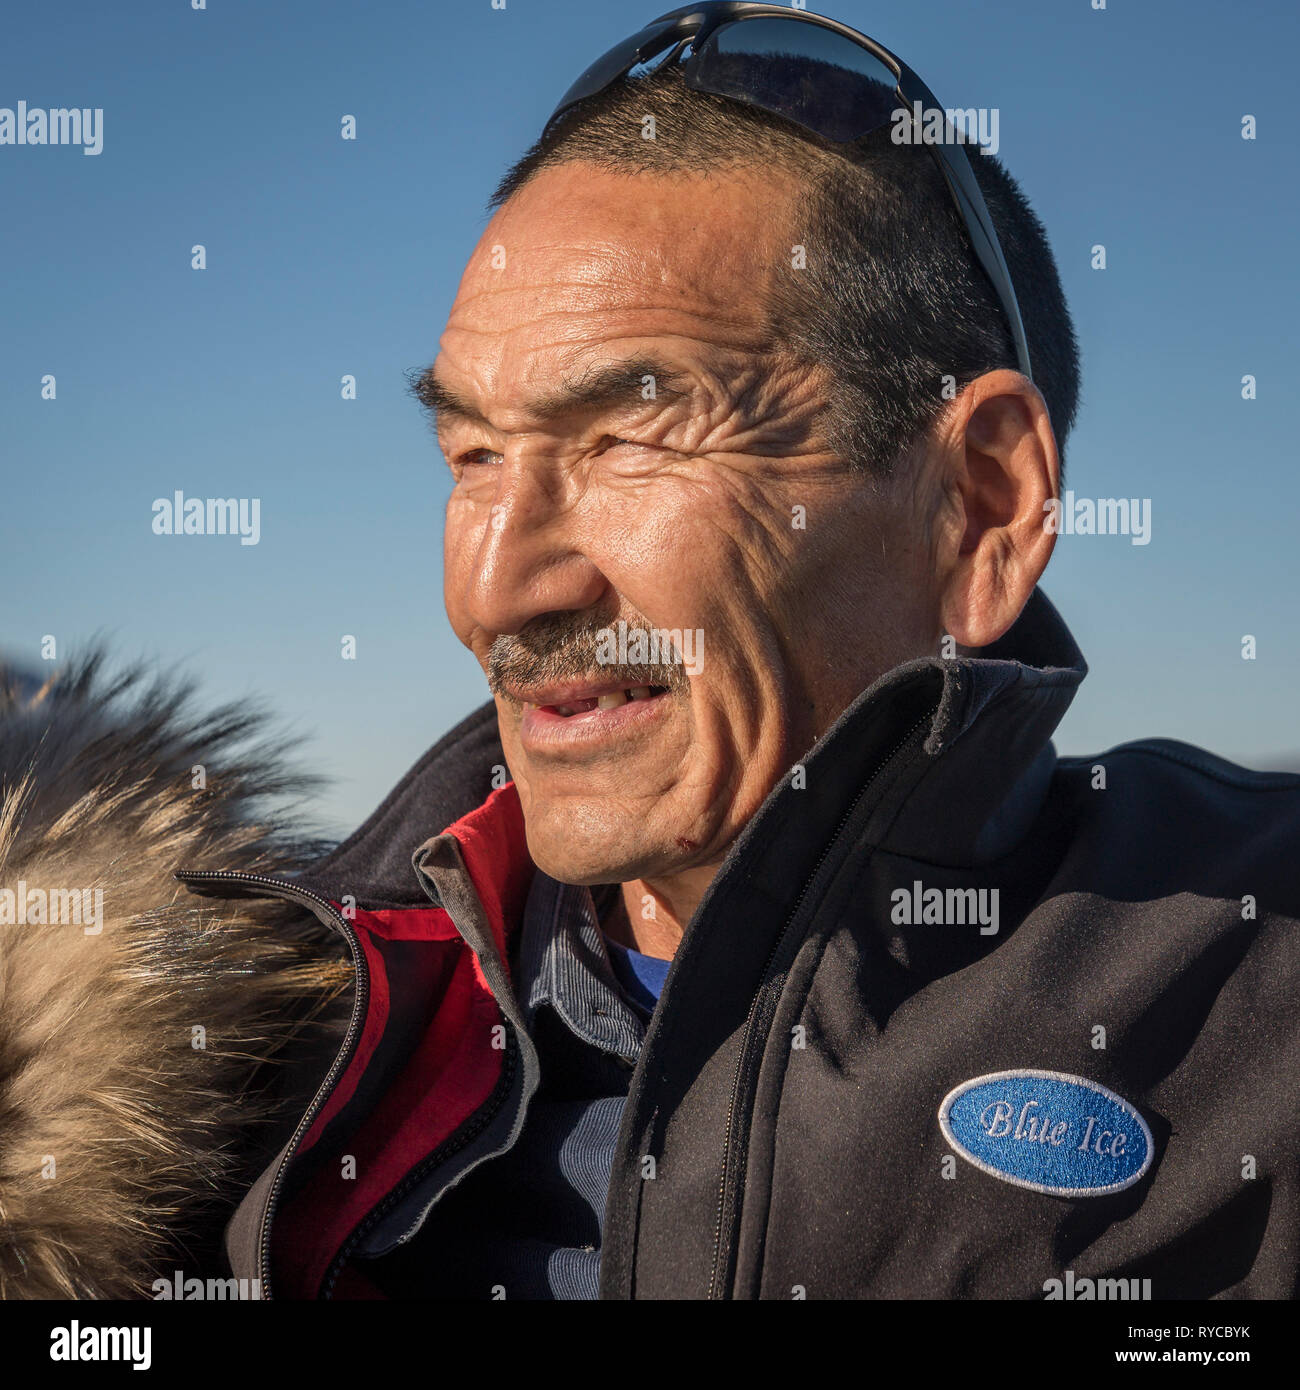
[[565, 966]]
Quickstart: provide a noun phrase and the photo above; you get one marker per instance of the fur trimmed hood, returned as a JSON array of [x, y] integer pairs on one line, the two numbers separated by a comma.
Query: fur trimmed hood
[[139, 1025]]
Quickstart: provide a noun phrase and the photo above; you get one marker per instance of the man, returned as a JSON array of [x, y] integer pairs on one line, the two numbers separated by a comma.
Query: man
[[753, 941]]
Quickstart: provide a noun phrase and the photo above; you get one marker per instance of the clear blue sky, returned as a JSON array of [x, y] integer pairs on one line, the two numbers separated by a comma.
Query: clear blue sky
[[327, 257]]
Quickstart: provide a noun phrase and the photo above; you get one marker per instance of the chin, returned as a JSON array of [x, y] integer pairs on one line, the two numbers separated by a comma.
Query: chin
[[563, 847], [587, 846], [587, 869]]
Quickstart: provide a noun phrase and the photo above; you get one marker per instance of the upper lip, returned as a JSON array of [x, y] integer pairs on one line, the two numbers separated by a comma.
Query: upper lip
[[567, 694]]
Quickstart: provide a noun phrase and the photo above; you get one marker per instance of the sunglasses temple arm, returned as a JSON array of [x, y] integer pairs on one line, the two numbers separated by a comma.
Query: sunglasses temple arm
[[989, 254]]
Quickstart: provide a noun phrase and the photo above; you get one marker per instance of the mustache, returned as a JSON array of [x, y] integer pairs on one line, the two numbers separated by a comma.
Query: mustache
[[562, 647]]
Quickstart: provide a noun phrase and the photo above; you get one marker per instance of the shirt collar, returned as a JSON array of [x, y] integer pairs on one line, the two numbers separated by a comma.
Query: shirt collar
[[564, 963]]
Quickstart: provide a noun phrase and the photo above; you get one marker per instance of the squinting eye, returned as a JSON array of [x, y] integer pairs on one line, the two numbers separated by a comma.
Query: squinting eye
[[475, 456], [611, 441]]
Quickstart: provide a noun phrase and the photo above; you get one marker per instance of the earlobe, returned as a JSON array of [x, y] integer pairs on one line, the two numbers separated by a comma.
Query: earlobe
[[978, 599]]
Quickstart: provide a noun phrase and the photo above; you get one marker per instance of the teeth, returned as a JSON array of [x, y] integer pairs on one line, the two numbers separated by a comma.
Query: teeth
[[613, 700]]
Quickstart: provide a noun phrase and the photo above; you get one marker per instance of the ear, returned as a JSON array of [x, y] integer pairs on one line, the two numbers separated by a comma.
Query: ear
[[1001, 468]]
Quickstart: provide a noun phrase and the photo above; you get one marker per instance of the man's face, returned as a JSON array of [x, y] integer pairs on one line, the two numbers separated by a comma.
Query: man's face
[[627, 445]]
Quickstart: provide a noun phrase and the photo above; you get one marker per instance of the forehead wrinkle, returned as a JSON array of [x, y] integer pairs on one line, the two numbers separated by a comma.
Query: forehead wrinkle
[[635, 281], [656, 267], [748, 327]]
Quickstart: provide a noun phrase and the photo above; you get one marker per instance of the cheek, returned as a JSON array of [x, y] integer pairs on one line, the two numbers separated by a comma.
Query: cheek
[[695, 556], [461, 537], [677, 548]]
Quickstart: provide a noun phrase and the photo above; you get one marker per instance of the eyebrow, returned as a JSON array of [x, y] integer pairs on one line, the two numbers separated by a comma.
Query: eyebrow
[[599, 386]]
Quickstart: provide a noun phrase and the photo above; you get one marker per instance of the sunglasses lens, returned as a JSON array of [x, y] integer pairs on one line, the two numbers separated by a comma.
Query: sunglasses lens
[[640, 48], [804, 72]]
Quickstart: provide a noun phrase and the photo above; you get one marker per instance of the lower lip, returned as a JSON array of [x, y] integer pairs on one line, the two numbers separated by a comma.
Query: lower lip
[[544, 731]]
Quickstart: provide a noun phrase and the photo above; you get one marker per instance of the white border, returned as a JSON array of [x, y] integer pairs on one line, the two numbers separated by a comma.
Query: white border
[[954, 1143]]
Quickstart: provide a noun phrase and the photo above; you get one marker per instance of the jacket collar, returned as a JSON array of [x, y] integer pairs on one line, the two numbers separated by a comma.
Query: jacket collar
[[988, 740]]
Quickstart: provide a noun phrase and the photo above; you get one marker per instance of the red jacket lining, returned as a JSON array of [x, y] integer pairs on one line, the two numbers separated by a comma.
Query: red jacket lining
[[450, 1073]]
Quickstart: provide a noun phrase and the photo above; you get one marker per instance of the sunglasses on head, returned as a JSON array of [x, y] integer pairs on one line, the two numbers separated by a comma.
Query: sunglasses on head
[[760, 54]]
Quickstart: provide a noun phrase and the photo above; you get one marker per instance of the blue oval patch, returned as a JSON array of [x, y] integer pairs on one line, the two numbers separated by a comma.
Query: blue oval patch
[[1054, 1133]]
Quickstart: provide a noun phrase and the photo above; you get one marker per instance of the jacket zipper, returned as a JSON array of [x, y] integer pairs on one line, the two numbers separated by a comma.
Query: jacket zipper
[[771, 986], [453, 1144], [361, 975], [450, 1146]]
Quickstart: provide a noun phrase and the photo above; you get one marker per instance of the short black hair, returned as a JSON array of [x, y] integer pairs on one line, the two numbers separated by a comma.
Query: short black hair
[[892, 300]]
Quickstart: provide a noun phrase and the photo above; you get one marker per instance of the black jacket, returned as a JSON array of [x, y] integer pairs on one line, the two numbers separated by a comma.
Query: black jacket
[[782, 1136]]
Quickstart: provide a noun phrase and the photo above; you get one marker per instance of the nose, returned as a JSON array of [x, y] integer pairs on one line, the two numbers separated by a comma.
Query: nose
[[531, 557]]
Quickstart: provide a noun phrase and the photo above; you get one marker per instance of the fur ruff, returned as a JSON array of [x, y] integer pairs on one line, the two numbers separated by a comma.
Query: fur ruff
[[123, 1145]]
